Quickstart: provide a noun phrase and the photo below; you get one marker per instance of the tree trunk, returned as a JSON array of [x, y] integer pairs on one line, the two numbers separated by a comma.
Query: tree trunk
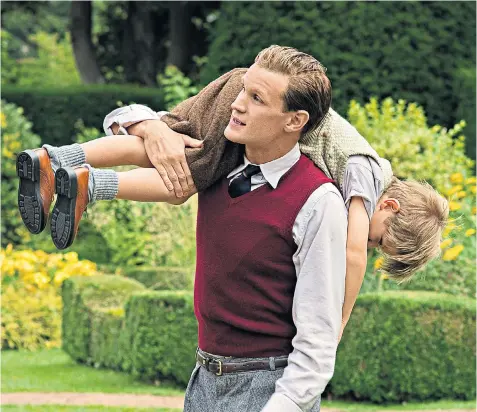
[[180, 29], [83, 48], [142, 24]]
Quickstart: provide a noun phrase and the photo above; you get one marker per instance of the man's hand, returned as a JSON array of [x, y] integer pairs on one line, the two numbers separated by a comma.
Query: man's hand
[[166, 151]]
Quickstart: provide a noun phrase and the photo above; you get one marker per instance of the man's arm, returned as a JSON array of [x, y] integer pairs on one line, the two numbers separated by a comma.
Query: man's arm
[[356, 255], [317, 303]]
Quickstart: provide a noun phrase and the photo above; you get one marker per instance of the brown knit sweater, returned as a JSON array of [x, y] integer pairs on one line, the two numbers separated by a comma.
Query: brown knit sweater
[[206, 115]]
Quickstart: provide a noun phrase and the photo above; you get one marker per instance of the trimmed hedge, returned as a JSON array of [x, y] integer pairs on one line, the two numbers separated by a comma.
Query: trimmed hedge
[[408, 346], [54, 112], [162, 278], [398, 346], [406, 50], [85, 298], [465, 84], [163, 332]]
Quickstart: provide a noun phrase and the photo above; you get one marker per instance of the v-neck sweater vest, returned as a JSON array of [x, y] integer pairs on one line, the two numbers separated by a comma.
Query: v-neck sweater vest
[[245, 275]]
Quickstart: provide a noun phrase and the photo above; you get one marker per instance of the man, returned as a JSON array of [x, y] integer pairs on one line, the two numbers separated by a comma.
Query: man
[[271, 241]]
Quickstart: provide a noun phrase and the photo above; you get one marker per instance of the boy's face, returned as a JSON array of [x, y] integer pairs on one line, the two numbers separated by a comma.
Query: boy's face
[[386, 208], [258, 118]]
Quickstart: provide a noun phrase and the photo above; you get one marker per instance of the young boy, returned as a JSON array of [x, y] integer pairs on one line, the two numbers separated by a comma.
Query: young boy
[[404, 219]]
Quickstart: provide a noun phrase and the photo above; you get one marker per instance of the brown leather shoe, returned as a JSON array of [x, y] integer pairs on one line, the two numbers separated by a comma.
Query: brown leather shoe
[[35, 189], [71, 185]]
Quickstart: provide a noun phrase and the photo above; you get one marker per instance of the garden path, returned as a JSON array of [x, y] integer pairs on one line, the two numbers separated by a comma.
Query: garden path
[[109, 399]]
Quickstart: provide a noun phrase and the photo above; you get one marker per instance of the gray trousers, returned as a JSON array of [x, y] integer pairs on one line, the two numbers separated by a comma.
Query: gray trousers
[[231, 392]]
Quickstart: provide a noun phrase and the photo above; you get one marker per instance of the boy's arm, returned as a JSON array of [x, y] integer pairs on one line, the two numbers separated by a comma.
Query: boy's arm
[[356, 255]]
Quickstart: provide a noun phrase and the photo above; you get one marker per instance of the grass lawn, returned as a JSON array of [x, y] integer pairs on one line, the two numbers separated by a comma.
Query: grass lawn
[[369, 407], [58, 408], [54, 371]]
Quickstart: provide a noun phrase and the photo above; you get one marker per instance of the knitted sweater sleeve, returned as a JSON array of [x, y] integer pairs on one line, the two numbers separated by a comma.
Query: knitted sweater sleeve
[[205, 117]]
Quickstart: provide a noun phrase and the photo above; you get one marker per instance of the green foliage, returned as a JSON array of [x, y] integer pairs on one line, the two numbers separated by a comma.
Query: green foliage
[[399, 133], [407, 50], [54, 64], [175, 86], [161, 278], [163, 332], [398, 346], [55, 111], [465, 89], [17, 134], [83, 298], [153, 335]]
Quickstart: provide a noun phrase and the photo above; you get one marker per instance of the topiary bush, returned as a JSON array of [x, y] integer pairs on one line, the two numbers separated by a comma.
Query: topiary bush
[[84, 302], [399, 346], [407, 50]]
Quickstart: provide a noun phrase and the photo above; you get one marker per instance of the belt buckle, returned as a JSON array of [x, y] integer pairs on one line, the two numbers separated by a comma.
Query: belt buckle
[[219, 373]]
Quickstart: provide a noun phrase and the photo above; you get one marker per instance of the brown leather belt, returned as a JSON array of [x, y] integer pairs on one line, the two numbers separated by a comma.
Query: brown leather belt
[[219, 367]]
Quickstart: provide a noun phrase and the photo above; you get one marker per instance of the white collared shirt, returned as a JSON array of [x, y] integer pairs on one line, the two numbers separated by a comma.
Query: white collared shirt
[[319, 232]]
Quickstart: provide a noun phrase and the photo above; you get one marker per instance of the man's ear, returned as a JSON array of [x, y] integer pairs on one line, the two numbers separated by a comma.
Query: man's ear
[[391, 204], [297, 121]]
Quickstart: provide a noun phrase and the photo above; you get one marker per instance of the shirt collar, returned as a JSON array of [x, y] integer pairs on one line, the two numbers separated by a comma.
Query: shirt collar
[[274, 170]]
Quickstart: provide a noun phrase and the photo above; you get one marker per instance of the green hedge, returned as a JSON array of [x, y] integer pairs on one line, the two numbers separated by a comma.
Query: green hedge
[[164, 334], [162, 278], [408, 346], [406, 50], [85, 298], [465, 89], [54, 112], [398, 346]]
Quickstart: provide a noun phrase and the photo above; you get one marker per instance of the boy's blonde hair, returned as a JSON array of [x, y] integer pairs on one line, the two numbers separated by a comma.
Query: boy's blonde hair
[[413, 235], [308, 86]]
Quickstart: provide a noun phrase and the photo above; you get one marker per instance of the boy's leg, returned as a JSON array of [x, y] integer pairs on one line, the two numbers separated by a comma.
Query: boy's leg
[[77, 187]]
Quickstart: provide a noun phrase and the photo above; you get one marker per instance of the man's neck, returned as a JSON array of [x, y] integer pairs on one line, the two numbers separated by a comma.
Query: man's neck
[[261, 155]]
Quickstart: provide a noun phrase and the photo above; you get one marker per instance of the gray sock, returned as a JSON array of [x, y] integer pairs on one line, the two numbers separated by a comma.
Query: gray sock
[[103, 184], [63, 156]]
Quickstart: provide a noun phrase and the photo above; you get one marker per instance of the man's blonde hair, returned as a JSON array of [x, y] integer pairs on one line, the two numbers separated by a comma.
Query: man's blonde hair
[[308, 87], [413, 235]]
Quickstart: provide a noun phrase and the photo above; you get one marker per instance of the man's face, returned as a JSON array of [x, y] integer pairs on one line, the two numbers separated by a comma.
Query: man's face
[[257, 117]]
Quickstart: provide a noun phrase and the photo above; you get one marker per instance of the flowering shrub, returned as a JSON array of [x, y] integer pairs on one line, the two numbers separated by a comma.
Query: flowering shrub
[[399, 132], [16, 136], [31, 302]]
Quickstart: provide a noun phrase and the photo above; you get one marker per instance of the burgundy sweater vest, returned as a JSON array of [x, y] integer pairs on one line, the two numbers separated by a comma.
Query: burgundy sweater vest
[[245, 276]]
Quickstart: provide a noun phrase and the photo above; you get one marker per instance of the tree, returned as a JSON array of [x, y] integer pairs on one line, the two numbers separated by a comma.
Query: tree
[[82, 45]]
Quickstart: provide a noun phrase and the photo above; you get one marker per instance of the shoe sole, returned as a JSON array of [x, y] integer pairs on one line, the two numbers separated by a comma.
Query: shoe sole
[[30, 204], [63, 214]]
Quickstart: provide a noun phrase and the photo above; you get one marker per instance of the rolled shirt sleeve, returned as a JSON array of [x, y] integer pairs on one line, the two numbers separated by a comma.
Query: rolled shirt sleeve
[[363, 178], [129, 115], [320, 234]]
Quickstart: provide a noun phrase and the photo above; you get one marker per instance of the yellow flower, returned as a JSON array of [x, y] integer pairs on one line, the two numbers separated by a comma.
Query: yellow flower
[[384, 277], [378, 263], [454, 189], [453, 206], [453, 253], [461, 194], [3, 120], [470, 180], [446, 243], [472, 189], [456, 178], [470, 232], [474, 210]]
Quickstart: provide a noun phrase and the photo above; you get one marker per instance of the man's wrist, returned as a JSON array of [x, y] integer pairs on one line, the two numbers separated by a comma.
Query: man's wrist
[[152, 127]]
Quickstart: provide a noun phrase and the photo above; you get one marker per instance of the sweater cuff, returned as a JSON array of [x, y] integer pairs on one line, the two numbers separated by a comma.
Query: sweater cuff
[[281, 403]]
